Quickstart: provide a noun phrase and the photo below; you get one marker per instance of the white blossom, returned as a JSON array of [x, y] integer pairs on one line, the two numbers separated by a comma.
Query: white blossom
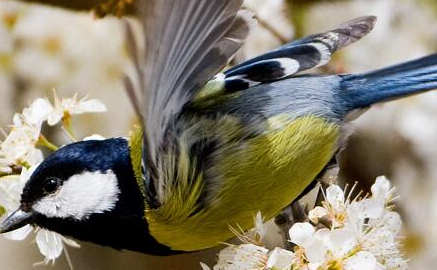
[[334, 207], [242, 257], [204, 266], [328, 248], [280, 259], [361, 234], [20, 145], [51, 244], [37, 112], [70, 106], [260, 228], [5, 167]]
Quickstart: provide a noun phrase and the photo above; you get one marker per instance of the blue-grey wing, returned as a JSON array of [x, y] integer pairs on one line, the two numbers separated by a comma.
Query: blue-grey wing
[[293, 97]]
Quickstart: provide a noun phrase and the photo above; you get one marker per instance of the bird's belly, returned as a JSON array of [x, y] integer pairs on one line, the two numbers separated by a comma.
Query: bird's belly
[[264, 174]]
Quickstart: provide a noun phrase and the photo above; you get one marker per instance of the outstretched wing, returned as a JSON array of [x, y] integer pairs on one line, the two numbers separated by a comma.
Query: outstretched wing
[[292, 58], [187, 42]]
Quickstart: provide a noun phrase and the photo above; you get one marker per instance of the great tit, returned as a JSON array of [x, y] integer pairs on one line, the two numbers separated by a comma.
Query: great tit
[[215, 147]]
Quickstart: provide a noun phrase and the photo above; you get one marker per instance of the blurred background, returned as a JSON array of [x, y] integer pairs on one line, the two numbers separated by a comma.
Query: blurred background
[[62, 45]]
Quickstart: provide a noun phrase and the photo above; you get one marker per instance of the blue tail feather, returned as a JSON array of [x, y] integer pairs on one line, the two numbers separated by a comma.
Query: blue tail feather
[[363, 90]]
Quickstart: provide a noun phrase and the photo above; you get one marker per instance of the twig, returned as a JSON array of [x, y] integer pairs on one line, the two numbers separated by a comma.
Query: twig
[[269, 27]]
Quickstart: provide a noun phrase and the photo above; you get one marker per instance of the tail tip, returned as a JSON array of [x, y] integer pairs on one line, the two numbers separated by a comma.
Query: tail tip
[[354, 30]]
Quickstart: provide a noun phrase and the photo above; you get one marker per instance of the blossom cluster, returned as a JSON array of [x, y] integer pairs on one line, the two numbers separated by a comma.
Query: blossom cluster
[[341, 234], [43, 47], [21, 153]]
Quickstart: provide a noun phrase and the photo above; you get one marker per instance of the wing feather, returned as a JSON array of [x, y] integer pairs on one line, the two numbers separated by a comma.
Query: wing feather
[[294, 57], [187, 42]]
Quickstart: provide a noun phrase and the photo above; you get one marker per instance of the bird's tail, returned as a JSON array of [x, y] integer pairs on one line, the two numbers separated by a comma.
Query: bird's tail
[[363, 90]]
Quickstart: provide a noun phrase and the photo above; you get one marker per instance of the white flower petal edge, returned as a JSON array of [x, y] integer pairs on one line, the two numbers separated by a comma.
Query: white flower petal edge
[[94, 137], [19, 145], [363, 260], [37, 112], [71, 106], [204, 266], [302, 234], [89, 106], [317, 213], [49, 244], [260, 228], [280, 259], [19, 234], [242, 257], [335, 196]]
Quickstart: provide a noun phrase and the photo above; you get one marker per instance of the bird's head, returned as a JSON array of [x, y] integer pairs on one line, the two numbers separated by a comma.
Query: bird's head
[[88, 191]]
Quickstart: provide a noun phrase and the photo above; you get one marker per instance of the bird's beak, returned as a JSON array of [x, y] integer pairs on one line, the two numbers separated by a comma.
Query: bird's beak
[[16, 220]]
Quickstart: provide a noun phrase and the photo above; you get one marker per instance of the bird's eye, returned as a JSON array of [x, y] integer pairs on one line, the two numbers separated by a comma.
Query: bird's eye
[[51, 184]]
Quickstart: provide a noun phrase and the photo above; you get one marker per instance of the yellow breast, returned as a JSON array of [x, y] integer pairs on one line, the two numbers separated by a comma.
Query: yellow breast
[[265, 175]]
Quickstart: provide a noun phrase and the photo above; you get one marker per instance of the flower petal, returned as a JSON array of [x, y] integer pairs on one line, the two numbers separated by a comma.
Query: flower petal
[[392, 221], [17, 120], [242, 257], [369, 208], [37, 112], [396, 264], [316, 213], [20, 142], [49, 244], [280, 259], [335, 196], [313, 266], [70, 242], [341, 241], [301, 234], [55, 116], [19, 234], [260, 226], [94, 137], [5, 167], [204, 266], [88, 106], [316, 251], [34, 157], [363, 260], [381, 188]]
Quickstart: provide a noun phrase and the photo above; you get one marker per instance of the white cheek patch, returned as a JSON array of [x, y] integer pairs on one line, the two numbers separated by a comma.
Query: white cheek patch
[[81, 195]]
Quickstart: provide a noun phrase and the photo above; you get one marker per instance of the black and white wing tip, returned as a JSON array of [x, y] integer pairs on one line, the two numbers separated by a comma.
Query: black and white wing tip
[[343, 35], [297, 56]]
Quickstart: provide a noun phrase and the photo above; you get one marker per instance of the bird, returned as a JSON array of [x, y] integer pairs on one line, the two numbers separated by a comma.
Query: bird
[[216, 144]]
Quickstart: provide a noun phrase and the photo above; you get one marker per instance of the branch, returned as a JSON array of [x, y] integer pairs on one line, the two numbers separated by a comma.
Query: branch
[[100, 7]]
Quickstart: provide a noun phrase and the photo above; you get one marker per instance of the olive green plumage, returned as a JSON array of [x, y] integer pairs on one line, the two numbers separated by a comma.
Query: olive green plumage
[[263, 173], [259, 173]]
